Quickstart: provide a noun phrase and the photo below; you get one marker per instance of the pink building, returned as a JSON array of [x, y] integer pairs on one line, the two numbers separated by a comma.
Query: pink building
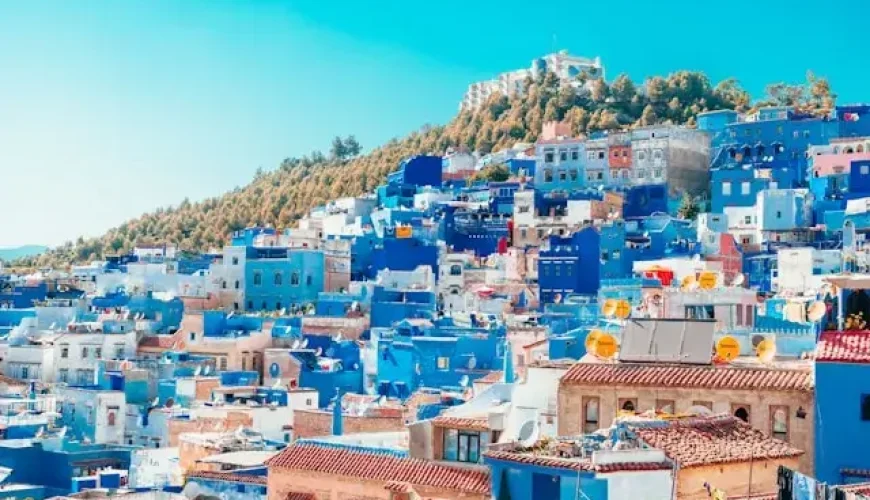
[[837, 157]]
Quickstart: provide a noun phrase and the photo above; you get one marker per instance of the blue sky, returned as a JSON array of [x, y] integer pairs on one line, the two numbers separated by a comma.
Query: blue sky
[[110, 109]]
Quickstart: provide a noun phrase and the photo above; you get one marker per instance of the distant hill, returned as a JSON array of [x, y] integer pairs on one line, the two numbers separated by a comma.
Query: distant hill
[[279, 197], [10, 254]]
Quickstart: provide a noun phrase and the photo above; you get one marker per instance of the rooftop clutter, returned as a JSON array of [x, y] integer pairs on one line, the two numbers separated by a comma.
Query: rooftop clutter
[[668, 312]]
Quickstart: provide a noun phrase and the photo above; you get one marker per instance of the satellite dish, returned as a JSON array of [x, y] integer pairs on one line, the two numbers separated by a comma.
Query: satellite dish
[[606, 346], [528, 434], [689, 283], [623, 309], [766, 350], [283, 311], [592, 338], [738, 280], [708, 280], [472, 363], [277, 384], [296, 344], [231, 314], [816, 311], [557, 298], [319, 351], [463, 382], [304, 343], [609, 309], [155, 402], [727, 348], [206, 370], [197, 371]]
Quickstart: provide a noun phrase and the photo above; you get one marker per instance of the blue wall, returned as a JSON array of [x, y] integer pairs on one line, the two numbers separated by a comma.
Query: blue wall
[[283, 283], [543, 483], [570, 265], [842, 438]]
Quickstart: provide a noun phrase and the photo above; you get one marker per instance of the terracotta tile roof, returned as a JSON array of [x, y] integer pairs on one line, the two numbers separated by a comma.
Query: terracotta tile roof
[[689, 376], [158, 341], [380, 466], [711, 440], [576, 464], [844, 347], [399, 487], [465, 423], [227, 476], [296, 495]]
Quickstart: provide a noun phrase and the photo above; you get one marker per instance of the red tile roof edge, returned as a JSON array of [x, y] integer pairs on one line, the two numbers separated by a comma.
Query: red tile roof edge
[[227, 476], [575, 464], [688, 376], [844, 347], [466, 423], [380, 466]]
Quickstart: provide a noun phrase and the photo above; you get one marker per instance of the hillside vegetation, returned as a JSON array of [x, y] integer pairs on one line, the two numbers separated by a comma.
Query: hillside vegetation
[[280, 197]]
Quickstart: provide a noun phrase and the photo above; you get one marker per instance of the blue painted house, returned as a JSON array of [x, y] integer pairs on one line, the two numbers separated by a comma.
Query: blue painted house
[[569, 265], [842, 412], [281, 278]]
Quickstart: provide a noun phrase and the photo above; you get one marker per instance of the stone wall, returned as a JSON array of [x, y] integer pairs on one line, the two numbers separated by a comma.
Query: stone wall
[[760, 405], [732, 478]]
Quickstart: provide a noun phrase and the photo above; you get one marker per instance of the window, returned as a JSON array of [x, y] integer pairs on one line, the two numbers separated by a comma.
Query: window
[[63, 375], [223, 363], [806, 134], [461, 446], [110, 421], [278, 278], [523, 233], [563, 155], [258, 279], [235, 306], [237, 284], [779, 129], [726, 188], [778, 214], [779, 422], [443, 363], [865, 407], [25, 372], [605, 255], [747, 219], [740, 411], [294, 279], [573, 174], [84, 352], [706, 404], [455, 270], [64, 351], [119, 352], [278, 306], [625, 153], [224, 284], [563, 175], [548, 175], [309, 280], [641, 155], [575, 155], [628, 404], [600, 176], [615, 254], [98, 352], [601, 155], [665, 406], [250, 304], [235, 261], [865, 169], [548, 157], [700, 312], [744, 188], [590, 414], [657, 173], [590, 155]]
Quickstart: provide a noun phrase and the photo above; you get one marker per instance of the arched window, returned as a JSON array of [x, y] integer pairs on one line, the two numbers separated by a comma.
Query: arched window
[[111, 419], [294, 278], [590, 415], [628, 405], [258, 279], [742, 413], [455, 270], [279, 279], [747, 152], [859, 148], [237, 284], [848, 150]]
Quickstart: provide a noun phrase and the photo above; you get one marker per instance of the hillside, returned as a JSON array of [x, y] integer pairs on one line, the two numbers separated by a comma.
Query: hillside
[[11, 254], [280, 197]]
